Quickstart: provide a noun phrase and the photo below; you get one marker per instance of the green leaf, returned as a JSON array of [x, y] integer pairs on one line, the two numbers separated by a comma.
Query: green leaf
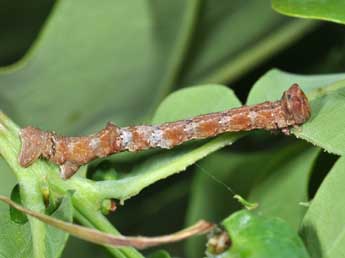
[[99, 64], [56, 239], [17, 216], [257, 236], [322, 229], [227, 44], [203, 99], [194, 101], [16, 239], [65, 70], [211, 198], [330, 10], [285, 184], [278, 186], [272, 84], [326, 94]]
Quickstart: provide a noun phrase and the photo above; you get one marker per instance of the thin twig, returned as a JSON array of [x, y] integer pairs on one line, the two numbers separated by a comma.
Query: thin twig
[[98, 237]]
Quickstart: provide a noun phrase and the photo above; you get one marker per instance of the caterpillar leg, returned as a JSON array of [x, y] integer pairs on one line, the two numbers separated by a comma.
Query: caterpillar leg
[[68, 169]]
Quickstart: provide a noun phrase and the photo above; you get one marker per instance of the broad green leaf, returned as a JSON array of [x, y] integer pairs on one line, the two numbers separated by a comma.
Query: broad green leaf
[[326, 94], [98, 62], [323, 230], [56, 239], [194, 101], [330, 10], [272, 84], [161, 49], [228, 44], [16, 241], [203, 99], [257, 236], [244, 174], [211, 197], [285, 184], [17, 216]]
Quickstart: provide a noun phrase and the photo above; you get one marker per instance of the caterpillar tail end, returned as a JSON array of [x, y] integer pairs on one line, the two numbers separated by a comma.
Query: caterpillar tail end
[[33, 142]]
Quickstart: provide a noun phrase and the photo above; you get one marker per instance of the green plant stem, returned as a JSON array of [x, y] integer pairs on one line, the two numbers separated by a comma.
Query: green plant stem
[[82, 220], [289, 33], [86, 202], [97, 220], [32, 198], [86, 199], [29, 186]]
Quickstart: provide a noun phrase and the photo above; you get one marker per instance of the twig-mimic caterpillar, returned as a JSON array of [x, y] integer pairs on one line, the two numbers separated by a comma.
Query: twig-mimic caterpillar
[[72, 152]]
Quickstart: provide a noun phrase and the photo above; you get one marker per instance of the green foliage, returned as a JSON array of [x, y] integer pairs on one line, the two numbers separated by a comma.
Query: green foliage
[[17, 216], [256, 236], [213, 202], [331, 10], [121, 61], [323, 235], [16, 240], [136, 51], [280, 171], [325, 93], [290, 169]]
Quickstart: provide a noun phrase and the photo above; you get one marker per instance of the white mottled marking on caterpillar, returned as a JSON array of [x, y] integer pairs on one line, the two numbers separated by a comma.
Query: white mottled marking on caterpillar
[[94, 143], [252, 117], [126, 137], [224, 120], [156, 137], [189, 128]]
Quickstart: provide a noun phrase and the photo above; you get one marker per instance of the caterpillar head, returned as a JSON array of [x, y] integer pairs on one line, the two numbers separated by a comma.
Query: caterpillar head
[[296, 104]]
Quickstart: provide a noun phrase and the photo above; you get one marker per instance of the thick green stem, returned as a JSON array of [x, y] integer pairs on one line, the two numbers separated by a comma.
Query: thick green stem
[[97, 220], [32, 199], [29, 184], [86, 198]]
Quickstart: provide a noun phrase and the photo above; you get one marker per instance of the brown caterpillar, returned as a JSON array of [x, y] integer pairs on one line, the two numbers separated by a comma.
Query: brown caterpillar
[[72, 152]]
